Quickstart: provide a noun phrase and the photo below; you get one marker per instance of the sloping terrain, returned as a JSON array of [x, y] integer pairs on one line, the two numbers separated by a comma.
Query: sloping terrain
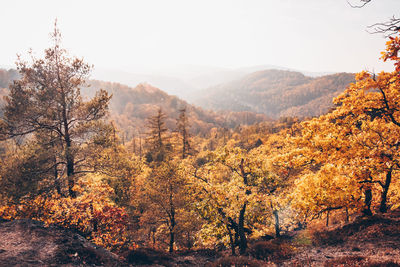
[[130, 107], [276, 93], [373, 241], [252, 99], [29, 243]]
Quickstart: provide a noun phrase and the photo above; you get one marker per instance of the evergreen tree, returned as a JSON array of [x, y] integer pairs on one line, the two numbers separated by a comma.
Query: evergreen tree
[[46, 100], [182, 125], [156, 136]]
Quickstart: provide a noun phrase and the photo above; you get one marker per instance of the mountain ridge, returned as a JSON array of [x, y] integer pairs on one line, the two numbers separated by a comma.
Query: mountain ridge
[[276, 93]]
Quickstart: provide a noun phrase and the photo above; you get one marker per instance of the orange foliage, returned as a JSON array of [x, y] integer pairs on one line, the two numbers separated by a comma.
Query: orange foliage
[[91, 214]]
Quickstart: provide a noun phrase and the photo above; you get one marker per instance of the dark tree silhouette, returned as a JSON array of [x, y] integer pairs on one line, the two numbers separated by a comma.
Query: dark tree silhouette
[[387, 28]]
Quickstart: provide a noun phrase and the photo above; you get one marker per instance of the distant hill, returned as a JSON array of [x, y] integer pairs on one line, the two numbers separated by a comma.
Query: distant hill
[[130, 107], [169, 83], [184, 80], [276, 93], [6, 76]]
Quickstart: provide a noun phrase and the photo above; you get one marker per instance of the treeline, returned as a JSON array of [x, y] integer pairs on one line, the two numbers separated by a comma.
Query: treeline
[[63, 162]]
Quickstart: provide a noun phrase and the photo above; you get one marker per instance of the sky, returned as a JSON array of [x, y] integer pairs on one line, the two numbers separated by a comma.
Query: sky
[[142, 35]]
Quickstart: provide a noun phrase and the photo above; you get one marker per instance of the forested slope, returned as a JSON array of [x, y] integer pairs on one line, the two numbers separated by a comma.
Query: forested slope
[[130, 108], [276, 93]]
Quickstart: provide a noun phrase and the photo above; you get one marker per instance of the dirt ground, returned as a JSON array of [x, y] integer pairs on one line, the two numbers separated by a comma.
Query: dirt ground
[[372, 241], [30, 243]]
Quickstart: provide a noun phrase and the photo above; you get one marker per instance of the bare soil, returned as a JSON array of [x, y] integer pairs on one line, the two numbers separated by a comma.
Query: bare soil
[[369, 241], [30, 243]]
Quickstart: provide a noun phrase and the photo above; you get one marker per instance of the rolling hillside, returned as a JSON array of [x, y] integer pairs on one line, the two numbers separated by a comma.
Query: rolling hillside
[[130, 108], [276, 93], [254, 98]]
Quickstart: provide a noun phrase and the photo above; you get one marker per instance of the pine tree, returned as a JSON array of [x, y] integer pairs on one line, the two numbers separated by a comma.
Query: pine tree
[[46, 100], [182, 125], [156, 136]]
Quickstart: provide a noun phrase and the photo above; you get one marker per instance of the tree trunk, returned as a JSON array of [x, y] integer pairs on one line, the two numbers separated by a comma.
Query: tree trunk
[[56, 180], [172, 226], [94, 220], [231, 241], [153, 236], [68, 153], [171, 241], [383, 206], [189, 244], [70, 171], [277, 226], [368, 199], [327, 218], [242, 234]]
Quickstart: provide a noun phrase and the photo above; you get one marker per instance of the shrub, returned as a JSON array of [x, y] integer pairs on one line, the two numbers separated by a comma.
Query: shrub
[[345, 261], [148, 256], [274, 250]]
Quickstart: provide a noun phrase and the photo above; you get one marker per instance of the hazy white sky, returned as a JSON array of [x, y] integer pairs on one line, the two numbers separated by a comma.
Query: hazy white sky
[[310, 35]]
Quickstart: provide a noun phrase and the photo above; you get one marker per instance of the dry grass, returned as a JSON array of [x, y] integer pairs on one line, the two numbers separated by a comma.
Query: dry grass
[[238, 261], [368, 241], [272, 250], [359, 261]]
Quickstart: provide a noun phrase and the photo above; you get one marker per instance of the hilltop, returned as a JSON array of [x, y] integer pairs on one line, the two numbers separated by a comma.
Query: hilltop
[[276, 93]]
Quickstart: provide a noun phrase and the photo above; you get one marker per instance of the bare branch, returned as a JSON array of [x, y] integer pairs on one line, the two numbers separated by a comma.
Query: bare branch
[[362, 4], [388, 28]]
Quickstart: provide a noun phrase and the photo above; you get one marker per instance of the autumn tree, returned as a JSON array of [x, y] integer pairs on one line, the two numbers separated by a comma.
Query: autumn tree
[[26, 171], [230, 189], [46, 100], [182, 125], [161, 193], [371, 108], [92, 212], [357, 143], [156, 136]]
